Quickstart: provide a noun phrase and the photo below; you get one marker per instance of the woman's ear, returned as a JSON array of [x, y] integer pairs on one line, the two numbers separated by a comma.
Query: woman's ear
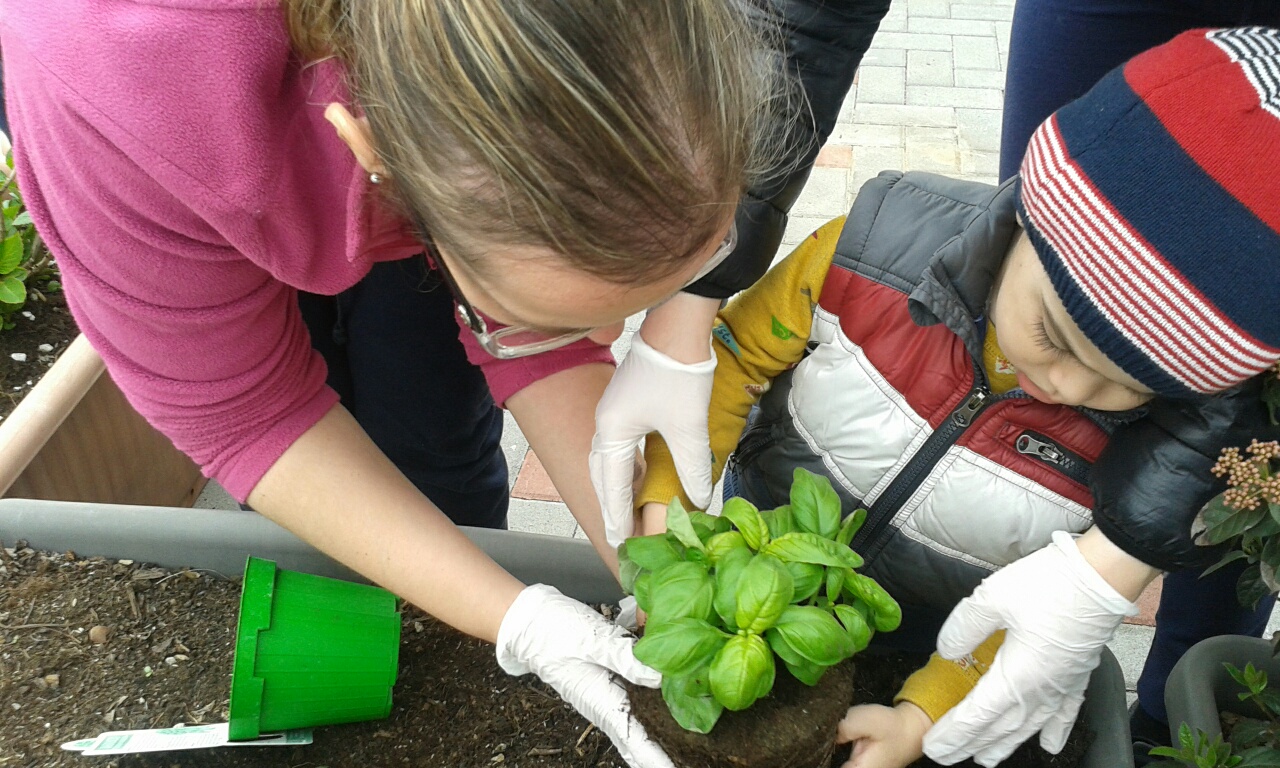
[[355, 132]]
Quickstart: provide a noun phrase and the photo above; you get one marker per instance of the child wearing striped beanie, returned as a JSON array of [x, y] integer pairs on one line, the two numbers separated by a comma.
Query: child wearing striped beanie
[[1152, 209]]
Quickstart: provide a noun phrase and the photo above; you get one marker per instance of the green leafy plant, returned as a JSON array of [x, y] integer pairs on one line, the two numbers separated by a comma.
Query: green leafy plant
[[728, 596], [1253, 742], [27, 270], [1247, 516]]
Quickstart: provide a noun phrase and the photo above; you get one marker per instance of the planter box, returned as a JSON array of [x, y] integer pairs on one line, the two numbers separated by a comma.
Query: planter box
[[220, 540], [1199, 687], [76, 438]]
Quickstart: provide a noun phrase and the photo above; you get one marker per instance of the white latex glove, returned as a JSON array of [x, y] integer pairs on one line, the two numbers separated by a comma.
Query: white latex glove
[[577, 652], [650, 392], [1059, 614]]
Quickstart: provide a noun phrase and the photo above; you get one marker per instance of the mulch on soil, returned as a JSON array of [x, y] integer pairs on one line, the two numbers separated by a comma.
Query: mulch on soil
[[90, 645], [42, 330]]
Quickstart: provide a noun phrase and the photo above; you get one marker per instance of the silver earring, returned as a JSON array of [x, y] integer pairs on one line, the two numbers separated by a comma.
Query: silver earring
[[375, 178]]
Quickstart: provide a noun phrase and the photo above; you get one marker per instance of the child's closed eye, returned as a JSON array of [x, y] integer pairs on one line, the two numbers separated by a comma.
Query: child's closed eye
[[1045, 343]]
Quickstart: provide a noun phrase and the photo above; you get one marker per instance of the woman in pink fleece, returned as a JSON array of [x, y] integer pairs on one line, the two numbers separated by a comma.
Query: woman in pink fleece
[[200, 173]]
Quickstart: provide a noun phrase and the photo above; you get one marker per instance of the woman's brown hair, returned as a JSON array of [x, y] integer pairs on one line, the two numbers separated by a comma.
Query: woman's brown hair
[[617, 133]]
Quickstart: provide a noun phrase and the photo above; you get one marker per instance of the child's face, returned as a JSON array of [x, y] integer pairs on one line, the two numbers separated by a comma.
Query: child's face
[[1055, 362]]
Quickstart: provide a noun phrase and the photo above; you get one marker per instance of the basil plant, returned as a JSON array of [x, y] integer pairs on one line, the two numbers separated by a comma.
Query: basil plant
[[727, 594]]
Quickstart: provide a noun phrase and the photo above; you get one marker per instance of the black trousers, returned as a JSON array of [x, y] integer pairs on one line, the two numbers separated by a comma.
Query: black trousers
[[394, 357]]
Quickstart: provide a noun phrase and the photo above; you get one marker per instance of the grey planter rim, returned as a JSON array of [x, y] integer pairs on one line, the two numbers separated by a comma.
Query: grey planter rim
[[1200, 688], [221, 540]]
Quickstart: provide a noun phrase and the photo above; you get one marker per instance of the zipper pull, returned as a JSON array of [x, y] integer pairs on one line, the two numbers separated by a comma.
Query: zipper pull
[[1033, 447], [965, 413]]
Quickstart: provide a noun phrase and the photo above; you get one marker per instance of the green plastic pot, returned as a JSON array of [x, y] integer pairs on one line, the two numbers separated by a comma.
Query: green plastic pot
[[310, 651]]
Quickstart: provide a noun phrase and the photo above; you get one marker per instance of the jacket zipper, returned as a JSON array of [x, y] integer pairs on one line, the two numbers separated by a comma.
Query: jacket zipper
[[868, 541], [1040, 447]]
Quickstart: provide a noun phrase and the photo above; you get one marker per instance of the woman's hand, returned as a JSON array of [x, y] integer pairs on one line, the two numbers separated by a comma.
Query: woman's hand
[[883, 737], [1060, 612], [664, 386], [578, 653]]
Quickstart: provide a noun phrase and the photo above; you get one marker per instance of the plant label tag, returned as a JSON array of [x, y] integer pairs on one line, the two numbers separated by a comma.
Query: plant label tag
[[182, 737]]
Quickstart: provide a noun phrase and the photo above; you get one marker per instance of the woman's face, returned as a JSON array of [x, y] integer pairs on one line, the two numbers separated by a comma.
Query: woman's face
[[1055, 361], [533, 287]]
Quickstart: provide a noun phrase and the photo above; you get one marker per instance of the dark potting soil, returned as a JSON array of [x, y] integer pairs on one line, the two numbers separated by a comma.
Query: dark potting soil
[[90, 645], [166, 659], [40, 337], [793, 727]]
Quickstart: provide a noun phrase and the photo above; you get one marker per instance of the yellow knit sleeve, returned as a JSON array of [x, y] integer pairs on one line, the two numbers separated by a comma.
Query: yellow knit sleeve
[[941, 684], [760, 334]]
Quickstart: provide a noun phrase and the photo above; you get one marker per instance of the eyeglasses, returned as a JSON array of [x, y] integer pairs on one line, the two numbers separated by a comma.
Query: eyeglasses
[[512, 341]]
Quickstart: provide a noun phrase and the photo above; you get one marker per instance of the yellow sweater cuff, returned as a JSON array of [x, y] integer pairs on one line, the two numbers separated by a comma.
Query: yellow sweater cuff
[[941, 684]]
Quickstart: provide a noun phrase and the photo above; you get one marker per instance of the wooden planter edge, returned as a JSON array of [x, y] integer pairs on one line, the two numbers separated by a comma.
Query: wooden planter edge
[[76, 438]]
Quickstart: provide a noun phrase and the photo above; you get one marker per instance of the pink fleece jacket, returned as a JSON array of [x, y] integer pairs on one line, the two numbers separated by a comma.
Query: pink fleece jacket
[[175, 157]]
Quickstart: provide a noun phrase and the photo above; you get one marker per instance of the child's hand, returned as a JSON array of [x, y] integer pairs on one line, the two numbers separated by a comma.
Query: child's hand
[[653, 519], [884, 737]]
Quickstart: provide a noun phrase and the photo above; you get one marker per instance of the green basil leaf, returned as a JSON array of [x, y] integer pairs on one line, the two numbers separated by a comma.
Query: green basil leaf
[[815, 504], [781, 647], [652, 552], [851, 525], [704, 525], [885, 610], [12, 291], [856, 625], [678, 525], [641, 592], [806, 579], [815, 634], [812, 548], [679, 647], [806, 671], [742, 671], [628, 570], [764, 590], [10, 253], [690, 701], [746, 518], [835, 581], [722, 545], [728, 572], [779, 520], [680, 590]]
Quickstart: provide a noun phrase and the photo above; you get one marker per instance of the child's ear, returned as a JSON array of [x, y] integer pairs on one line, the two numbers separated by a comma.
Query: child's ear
[[355, 132]]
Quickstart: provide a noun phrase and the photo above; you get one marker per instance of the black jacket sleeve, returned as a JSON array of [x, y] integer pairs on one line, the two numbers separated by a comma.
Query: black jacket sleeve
[[1154, 475], [826, 40]]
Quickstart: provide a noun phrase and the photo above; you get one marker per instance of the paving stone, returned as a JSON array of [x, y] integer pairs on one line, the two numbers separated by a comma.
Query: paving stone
[[881, 55], [945, 96], [868, 162], [892, 114], [533, 482], [911, 41], [981, 164], [893, 23], [546, 517], [983, 11], [867, 135], [976, 78], [920, 8], [800, 227], [834, 155], [881, 85], [979, 129], [930, 68], [976, 52], [951, 26], [932, 149], [825, 193]]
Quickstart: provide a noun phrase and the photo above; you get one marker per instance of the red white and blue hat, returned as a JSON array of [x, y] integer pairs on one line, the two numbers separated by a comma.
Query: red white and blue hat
[[1154, 204]]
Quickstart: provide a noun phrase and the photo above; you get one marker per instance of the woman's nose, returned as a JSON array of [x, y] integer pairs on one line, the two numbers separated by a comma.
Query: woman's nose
[[608, 334]]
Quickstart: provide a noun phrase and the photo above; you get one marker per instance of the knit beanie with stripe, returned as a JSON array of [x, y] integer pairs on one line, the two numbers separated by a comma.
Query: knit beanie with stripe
[[1153, 202]]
